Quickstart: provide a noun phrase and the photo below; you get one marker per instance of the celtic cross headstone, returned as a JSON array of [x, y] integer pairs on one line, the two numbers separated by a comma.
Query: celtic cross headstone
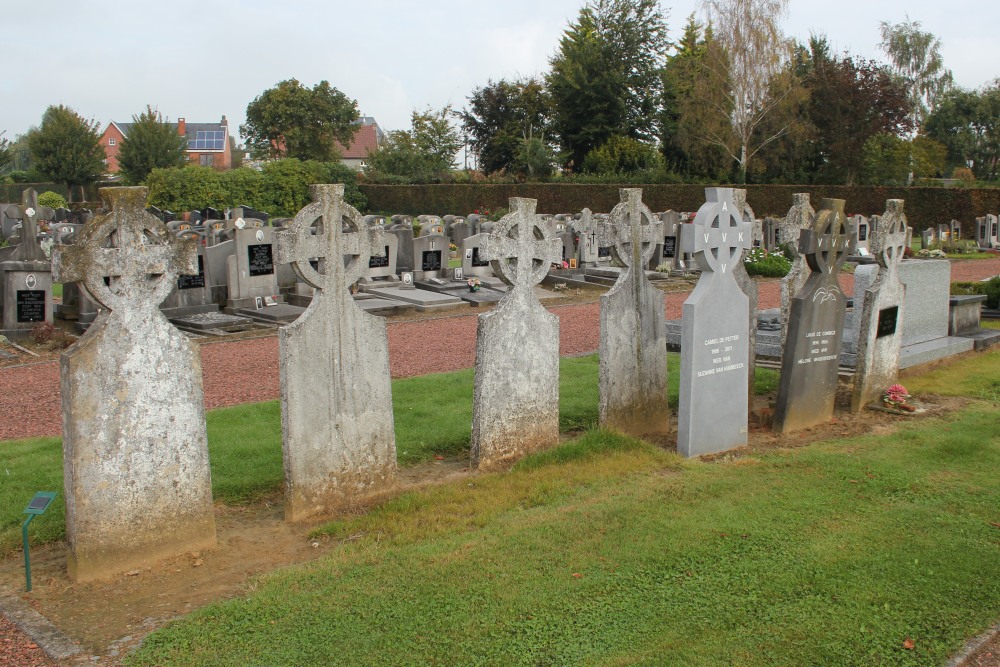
[[337, 429], [633, 339], [881, 331], [515, 407], [713, 409], [749, 287], [811, 356], [137, 482], [800, 216]]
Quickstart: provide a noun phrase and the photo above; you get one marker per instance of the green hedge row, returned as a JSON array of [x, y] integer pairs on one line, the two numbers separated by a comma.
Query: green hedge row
[[281, 188], [924, 206]]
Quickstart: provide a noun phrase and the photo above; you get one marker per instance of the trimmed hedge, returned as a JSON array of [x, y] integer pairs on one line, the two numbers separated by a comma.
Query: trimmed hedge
[[924, 206]]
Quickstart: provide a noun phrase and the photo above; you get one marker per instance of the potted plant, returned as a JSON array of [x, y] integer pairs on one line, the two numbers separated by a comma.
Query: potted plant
[[474, 284]]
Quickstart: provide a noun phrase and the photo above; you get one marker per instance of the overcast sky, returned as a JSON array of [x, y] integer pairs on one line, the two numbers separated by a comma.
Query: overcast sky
[[200, 60]]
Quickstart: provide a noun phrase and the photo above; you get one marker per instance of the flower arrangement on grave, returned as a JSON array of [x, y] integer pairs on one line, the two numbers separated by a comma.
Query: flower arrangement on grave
[[452, 247], [565, 264], [474, 284], [896, 397]]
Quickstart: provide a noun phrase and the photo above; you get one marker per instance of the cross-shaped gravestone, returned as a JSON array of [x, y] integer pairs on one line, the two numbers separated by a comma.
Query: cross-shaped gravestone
[[633, 366], [515, 407], [720, 234], [138, 484], [713, 407], [749, 287], [313, 235], [126, 260], [521, 248], [811, 356], [338, 437], [28, 249], [800, 216], [881, 311]]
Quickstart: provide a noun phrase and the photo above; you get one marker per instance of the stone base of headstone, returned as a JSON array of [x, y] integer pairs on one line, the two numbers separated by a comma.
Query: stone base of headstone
[[516, 401]]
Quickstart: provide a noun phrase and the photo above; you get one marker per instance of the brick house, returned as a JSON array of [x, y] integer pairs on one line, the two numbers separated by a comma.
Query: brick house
[[208, 143], [366, 140]]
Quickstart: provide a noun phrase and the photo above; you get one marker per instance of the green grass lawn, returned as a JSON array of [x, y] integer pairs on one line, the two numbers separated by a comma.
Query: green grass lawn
[[609, 551], [433, 416]]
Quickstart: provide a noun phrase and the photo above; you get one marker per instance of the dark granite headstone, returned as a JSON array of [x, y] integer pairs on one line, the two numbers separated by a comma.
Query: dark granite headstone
[[811, 355], [669, 246], [191, 282], [431, 260], [377, 262]]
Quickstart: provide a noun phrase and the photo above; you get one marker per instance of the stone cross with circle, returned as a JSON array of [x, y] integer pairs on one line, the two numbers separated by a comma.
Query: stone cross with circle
[[328, 230], [521, 248], [130, 247], [720, 232], [633, 230], [827, 242], [889, 239]]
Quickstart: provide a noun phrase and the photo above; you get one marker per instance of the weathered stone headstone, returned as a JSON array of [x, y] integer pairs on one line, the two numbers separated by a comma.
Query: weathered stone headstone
[[882, 306], [633, 340], [749, 287], [137, 481], [515, 407], [800, 216], [713, 410], [811, 356], [336, 395]]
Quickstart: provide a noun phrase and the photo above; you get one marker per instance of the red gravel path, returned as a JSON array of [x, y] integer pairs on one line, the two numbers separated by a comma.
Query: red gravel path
[[247, 371], [17, 650]]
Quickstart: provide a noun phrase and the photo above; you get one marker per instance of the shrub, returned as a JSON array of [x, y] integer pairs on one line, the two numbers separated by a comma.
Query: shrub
[[51, 199], [990, 288], [622, 155], [759, 262]]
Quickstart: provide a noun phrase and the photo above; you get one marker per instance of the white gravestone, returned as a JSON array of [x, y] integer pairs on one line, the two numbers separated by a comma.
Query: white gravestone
[[137, 478], [337, 429], [633, 340], [713, 409], [515, 408]]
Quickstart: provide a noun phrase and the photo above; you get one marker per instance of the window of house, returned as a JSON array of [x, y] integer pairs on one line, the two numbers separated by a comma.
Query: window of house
[[112, 141], [206, 160]]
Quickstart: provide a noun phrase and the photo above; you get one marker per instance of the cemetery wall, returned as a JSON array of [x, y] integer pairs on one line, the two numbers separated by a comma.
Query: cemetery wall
[[924, 206]]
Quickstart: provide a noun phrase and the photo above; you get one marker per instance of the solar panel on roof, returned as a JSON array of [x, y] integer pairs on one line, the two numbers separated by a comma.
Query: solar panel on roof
[[208, 140]]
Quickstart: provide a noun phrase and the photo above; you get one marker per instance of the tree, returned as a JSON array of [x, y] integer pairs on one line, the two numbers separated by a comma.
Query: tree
[[66, 148], [5, 155], [622, 155], [605, 79], [291, 120], [916, 58], [851, 101], [535, 158], [886, 160], [967, 122], [499, 118], [422, 153], [745, 80], [152, 143]]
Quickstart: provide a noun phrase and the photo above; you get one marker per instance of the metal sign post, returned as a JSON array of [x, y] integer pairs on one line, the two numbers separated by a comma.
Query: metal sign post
[[37, 506]]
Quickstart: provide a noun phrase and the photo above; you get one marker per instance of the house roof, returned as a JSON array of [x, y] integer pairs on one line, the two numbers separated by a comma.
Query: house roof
[[191, 131], [366, 140]]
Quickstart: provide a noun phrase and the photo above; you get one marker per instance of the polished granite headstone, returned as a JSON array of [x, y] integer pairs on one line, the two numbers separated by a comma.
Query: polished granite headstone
[[713, 406], [811, 356]]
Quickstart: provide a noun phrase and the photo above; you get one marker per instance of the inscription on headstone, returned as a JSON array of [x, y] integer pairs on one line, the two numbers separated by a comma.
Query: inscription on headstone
[[192, 282], [887, 320], [379, 262], [30, 305], [431, 260], [261, 259], [669, 246]]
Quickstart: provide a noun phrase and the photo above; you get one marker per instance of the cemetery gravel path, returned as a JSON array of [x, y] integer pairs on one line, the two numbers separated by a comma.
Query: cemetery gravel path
[[246, 371]]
